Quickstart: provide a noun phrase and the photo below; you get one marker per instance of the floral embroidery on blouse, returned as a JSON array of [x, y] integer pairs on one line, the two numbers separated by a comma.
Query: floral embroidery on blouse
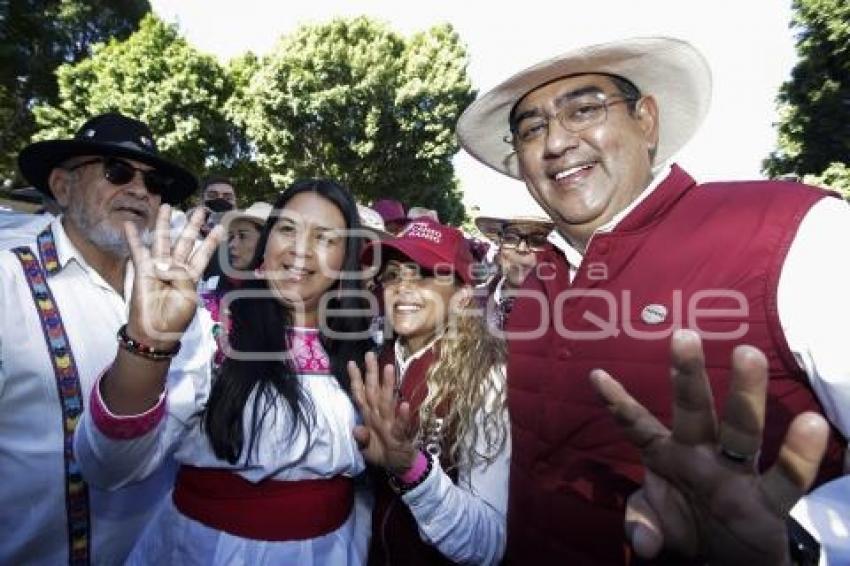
[[212, 301], [307, 351], [221, 324]]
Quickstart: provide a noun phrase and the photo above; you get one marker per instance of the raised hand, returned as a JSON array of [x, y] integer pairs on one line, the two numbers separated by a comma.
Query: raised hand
[[702, 495], [386, 437], [164, 296]]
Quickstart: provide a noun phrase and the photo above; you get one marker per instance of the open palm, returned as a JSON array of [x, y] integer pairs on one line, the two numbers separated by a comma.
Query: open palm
[[386, 437], [164, 298]]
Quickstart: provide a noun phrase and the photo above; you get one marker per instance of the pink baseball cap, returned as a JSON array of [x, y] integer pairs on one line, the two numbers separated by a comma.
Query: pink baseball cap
[[389, 209], [430, 245]]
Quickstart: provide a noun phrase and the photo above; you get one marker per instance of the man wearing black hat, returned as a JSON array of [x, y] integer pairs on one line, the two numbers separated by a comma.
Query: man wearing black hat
[[62, 299]]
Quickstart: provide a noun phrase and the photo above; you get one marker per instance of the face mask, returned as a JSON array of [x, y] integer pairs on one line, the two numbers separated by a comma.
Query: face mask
[[218, 205]]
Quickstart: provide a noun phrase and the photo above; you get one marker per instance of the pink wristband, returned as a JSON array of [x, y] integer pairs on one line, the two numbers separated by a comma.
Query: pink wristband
[[419, 467]]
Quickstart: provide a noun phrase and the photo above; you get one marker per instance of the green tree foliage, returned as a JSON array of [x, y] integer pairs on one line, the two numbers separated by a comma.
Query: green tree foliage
[[814, 128], [154, 76], [252, 181], [36, 36], [836, 176], [354, 101]]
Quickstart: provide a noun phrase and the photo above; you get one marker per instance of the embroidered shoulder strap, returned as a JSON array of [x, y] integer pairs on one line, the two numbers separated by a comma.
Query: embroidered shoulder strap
[[68, 386]]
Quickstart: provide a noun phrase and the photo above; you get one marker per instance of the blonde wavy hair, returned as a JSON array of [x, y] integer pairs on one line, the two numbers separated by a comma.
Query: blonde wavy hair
[[459, 379]]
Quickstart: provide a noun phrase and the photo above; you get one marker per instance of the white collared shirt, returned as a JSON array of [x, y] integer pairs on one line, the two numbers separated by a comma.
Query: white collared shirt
[[18, 228], [497, 292], [32, 493], [403, 362], [575, 257]]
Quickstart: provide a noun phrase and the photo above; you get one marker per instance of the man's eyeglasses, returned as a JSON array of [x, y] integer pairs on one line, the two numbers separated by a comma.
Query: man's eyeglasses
[[578, 114], [535, 241], [119, 172]]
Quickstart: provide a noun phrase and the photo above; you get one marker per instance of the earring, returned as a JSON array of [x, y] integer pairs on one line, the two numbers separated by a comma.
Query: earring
[[260, 271]]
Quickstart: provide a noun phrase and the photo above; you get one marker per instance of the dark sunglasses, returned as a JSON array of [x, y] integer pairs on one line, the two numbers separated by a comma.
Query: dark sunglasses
[[119, 172], [535, 241]]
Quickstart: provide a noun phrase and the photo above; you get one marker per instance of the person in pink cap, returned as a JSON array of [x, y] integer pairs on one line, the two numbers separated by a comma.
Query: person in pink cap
[[433, 408], [392, 211]]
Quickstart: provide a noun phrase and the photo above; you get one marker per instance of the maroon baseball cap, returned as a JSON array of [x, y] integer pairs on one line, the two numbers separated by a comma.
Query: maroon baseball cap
[[389, 209], [430, 245]]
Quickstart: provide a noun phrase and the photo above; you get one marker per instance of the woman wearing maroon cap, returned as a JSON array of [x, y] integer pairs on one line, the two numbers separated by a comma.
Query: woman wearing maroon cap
[[440, 430]]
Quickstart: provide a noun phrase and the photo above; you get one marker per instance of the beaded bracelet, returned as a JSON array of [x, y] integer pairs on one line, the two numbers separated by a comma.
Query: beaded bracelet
[[135, 347], [401, 487]]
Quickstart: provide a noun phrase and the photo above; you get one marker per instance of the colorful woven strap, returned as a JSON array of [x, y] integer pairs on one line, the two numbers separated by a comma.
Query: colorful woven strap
[[68, 385]]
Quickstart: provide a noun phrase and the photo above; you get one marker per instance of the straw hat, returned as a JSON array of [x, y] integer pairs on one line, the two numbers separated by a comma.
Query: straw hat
[[671, 70], [422, 212], [493, 227], [257, 213], [371, 220]]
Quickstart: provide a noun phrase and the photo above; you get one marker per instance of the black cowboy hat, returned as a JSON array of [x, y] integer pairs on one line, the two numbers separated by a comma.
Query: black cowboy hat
[[110, 134]]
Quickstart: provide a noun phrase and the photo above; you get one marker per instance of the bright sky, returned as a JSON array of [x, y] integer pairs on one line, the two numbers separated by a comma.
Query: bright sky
[[747, 42]]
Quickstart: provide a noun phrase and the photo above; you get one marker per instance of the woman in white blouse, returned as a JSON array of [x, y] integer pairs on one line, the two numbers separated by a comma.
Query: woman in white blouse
[[268, 461]]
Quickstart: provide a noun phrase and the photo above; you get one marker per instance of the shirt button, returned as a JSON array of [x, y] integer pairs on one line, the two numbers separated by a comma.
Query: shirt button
[[603, 247]]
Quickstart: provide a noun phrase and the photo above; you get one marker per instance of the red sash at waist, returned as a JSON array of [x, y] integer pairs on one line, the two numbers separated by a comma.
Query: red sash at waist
[[269, 510]]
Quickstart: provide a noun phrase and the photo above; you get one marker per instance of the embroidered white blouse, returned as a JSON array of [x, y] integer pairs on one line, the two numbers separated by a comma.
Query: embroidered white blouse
[[329, 450]]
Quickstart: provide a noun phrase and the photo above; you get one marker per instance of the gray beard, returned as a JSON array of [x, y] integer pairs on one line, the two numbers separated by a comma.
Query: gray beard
[[103, 235]]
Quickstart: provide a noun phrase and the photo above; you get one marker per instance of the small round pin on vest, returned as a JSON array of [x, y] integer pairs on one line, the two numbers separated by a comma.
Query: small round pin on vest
[[654, 314]]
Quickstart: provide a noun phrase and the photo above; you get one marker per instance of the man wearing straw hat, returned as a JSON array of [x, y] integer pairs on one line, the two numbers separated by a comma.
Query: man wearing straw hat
[[63, 297], [643, 251], [519, 241]]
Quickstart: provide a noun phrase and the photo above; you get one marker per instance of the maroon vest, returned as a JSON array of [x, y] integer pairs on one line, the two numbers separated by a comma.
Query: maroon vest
[[395, 533], [703, 257]]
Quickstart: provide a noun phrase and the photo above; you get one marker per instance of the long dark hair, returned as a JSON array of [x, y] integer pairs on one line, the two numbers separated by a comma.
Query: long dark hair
[[259, 325]]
